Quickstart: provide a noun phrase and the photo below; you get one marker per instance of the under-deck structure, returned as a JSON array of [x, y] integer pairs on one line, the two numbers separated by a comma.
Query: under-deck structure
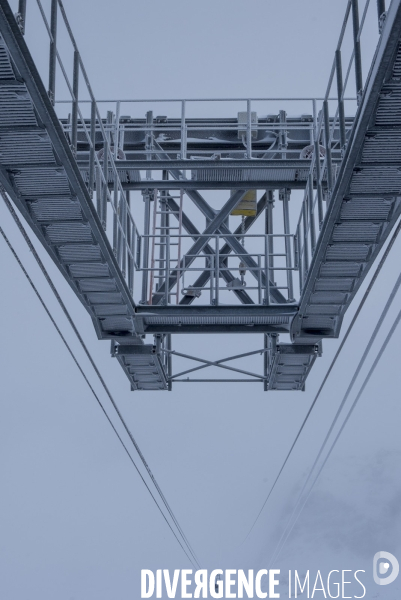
[[263, 222]]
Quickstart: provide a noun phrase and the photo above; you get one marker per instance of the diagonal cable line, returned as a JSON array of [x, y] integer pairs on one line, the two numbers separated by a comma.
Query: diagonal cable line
[[329, 370], [71, 322], [363, 386]]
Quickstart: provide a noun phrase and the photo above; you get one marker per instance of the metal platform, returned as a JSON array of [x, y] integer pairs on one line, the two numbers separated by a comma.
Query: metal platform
[[85, 180]]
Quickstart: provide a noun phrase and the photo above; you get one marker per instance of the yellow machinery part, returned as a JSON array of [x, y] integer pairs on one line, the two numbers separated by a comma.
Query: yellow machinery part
[[247, 206]]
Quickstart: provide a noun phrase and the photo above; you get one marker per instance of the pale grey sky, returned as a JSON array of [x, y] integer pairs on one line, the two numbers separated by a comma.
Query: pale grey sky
[[76, 522]]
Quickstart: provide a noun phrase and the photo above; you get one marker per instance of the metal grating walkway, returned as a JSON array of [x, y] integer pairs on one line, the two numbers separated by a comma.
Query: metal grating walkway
[[366, 201], [66, 182]]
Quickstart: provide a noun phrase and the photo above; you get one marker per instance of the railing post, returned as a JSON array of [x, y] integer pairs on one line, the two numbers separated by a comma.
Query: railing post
[[329, 165], [341, 115], [319, 183], [130, 245], [183, 132], [285, 197], [116, 219], [105, 189], [21, 15], [381, 13], [167, 277], [357, 50], [117, 130], [99, 192], [53, 52], [74, 114], [283, 144], [266, 299], [92, 148], [145, 259], [269, 230], [306, 250], [249, 129], [312, 227], [217, 265], [299, 257]]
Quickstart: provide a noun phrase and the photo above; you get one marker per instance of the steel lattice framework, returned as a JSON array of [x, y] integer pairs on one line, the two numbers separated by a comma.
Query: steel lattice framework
[[137, 211]]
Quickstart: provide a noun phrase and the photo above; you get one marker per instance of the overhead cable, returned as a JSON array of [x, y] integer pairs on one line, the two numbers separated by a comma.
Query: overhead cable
[[71, 322], [329, 370], [372, 369]]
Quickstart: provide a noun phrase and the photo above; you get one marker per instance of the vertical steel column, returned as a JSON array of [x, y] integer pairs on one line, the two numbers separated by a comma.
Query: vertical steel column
[[299, 257], [341, 115], [312, 227], [152, 255], [117, 130], [249, 129], [22, 15], [357, 50], [53, 54], [179, 246], [92, 149], [329, 165], [183, 132], [163, 215], [283, 134], [266, 299], [269, 230], [129, 234], [99, 193], [169, 361], [105, 189], [265, 361], [74, 113], [116, 221], [168, 248], [149, 140], [167, 276], [306, 250], [217, 265], [285, 196], [319, 182], [122, 233], [381, 13], [145, 255]]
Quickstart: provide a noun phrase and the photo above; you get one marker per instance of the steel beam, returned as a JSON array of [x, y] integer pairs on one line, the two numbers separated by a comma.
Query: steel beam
[[187, 185], [200, 243], [234, 244], [194, 165], [205, 276], [253, 310], [224, 271]]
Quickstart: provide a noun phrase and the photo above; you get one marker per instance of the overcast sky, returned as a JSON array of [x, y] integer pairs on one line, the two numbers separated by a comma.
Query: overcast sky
[[76, 522]]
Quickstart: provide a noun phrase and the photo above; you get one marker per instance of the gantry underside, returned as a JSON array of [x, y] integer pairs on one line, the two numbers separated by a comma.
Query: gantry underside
[[186, 270]]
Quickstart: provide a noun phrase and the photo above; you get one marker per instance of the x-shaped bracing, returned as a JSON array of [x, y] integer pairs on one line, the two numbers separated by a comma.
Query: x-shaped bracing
[[209, 251], [216, 224], [217, 363], [199, 245]]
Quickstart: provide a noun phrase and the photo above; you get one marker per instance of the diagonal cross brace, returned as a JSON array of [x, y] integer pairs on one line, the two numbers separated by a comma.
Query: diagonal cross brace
[[224, 271], [234, 244], [200, 243], [204, 277]]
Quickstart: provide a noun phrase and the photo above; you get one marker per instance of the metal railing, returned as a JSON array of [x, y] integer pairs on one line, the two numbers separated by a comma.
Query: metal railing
[[123, 233], [315, 204], [274, 259]]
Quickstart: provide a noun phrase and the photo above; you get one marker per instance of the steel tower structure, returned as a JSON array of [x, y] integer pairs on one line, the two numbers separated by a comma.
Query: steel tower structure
[[300, 205]]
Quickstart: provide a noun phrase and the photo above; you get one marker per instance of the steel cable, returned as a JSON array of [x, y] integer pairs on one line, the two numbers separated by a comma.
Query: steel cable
[[71, 322], [333, 362], [366, 381]]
